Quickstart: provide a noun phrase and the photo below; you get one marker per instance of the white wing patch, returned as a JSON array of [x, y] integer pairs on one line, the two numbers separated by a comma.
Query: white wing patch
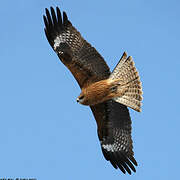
[[60, 39], [121, 142], [108, 147], [114, 147]]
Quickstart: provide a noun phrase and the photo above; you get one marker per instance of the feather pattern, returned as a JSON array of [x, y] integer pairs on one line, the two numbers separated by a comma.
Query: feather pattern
[[88, 66], [85, 63], [114, 131], [130, 83]]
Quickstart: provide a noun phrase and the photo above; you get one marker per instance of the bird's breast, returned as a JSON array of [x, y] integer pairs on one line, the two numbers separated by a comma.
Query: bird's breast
[[97, 92]]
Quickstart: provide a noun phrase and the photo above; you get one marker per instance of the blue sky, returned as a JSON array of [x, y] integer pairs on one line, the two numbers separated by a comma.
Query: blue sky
[[44, 133]]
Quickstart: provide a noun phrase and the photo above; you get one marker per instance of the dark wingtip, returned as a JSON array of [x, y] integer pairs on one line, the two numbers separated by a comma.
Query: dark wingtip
[[47, 11], [65, 18], [57, 8], [53, 14], [52, 10], [133, 160], [45, 20], [46, 24], [59, 16], [121, 161]]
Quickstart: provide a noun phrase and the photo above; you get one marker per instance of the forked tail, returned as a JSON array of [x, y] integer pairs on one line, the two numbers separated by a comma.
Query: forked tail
[[130, 86]]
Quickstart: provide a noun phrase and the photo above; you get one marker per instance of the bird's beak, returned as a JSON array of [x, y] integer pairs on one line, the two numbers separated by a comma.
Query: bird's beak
[[77, 100]]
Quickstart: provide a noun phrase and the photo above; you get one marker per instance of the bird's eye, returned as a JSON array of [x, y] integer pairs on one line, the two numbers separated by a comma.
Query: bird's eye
[[81, 97], [114, 88]]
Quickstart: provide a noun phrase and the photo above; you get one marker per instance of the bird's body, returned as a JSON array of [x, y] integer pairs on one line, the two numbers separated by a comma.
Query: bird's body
[[95, 93], [108, 94]]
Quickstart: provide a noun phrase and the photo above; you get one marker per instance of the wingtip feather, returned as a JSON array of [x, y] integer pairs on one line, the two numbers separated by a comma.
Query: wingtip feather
[[120, 160], [65, 18]]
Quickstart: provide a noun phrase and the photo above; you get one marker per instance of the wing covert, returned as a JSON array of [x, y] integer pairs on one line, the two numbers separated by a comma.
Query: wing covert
[[84, 62]]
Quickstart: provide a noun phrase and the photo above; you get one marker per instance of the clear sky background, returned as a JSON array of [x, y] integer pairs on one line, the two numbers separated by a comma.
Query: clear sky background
[[44, 133]]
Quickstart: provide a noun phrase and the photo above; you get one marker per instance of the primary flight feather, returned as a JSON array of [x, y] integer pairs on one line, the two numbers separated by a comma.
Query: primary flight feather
[[108, 94]]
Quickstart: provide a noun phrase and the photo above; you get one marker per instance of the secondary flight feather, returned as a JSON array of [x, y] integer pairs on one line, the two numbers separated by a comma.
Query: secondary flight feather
[[108, 94]]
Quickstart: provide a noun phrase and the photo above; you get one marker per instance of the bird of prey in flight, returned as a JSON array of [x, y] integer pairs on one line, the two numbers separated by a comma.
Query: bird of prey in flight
[[107, 93]]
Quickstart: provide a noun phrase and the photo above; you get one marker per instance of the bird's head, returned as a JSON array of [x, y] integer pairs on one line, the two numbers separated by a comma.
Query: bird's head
[[84, 97], [81, 98]]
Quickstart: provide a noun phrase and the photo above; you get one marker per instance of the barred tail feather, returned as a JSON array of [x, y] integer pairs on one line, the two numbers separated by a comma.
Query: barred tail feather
[[130, 83]]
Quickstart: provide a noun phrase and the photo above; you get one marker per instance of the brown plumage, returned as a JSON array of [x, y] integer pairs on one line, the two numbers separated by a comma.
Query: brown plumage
[[107, 94]]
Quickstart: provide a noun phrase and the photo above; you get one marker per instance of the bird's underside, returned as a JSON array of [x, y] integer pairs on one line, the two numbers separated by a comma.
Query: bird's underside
[[88, 67], [123, 86]]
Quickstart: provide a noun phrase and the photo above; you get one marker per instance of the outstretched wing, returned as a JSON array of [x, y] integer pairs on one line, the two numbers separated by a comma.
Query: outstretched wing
[[114, 131], [84, 62], [88, 66]]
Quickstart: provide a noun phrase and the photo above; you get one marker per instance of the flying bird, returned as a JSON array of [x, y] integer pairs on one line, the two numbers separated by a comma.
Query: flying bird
[[108, 94]]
